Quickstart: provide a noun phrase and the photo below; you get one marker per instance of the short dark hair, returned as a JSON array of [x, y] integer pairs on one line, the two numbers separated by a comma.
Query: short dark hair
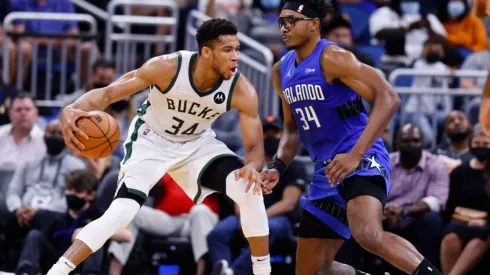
[[81, 180], [324, 6], [22, 95], [212, 29], [103, 64], [336, 22]]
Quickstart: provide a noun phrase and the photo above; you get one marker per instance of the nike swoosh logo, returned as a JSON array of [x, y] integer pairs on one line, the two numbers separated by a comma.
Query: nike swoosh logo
[[263, 259]]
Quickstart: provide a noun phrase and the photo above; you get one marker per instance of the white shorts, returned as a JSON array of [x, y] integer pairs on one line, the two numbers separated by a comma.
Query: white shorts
[[148, 156]]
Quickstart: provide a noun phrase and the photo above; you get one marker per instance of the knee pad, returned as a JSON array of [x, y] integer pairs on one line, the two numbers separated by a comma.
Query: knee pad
[[253, 217], [119, 214]]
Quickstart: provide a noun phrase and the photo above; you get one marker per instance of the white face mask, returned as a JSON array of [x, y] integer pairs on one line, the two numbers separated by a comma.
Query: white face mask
[[410, 7]]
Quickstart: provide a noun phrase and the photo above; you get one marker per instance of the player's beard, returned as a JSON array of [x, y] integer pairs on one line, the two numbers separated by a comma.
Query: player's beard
[[216, 67]]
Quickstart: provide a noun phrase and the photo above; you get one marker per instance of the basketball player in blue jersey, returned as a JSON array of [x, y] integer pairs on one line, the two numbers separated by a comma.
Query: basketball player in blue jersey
[[321, 86]]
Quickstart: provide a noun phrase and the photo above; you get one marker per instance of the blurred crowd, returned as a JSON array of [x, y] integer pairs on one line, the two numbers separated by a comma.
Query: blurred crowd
[[439, 200]]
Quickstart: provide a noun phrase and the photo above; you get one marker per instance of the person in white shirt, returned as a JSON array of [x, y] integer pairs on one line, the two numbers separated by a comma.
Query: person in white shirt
[[21, 140]]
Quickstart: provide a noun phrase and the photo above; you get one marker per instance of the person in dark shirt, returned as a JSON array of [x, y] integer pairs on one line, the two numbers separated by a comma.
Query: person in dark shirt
[[44, 245], [466, 238], [282, 209]]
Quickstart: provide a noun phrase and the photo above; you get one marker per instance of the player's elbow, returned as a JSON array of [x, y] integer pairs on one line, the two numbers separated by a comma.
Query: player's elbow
[[393, 100]]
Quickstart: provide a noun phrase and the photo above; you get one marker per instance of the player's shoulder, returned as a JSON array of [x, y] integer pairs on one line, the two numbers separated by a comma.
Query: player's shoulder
[[243, 86], [165, 61], [337, 58], [161, 69]]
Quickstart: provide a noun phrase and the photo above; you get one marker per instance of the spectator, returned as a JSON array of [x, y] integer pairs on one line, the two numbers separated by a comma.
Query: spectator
[[422, 109], [280, 205], [338, 30], [183, 219], [52, 27], [419, 190], [7, 94], [42, 250], [229, 9], [39, 184], [463, 28], [403, 28], [21, 140], [458, 129], [466, 238]]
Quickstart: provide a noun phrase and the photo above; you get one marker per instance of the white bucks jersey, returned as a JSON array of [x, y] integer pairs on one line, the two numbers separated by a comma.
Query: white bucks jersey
[[182, 113]]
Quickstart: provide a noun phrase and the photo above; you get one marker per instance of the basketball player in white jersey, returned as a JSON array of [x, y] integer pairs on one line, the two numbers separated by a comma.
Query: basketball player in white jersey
[[172, 134]]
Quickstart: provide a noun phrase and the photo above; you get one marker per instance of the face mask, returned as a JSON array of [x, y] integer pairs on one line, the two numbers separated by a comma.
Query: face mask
[[481, 153], [270, 4], [410, 156], [458, 137], [433, 57], [455, 9], [120, 105], [270, 145], [99, 85], [54, 145], [75, 203], [410, 7]]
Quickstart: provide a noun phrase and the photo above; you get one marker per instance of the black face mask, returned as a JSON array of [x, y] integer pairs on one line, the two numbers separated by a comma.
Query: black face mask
[[458, 137], [270, 145], [120, 105], [75, 203], [98, 85], [481, 153], [410, 156], [433, 57], [54, 145]]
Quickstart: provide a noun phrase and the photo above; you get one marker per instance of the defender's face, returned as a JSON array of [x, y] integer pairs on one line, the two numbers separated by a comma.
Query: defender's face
[[295, 28], [225, 55]]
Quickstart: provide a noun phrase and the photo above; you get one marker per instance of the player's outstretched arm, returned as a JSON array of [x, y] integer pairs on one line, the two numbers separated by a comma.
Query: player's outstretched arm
[[485, 107], [245, 100], [339, 64], [159, 70]]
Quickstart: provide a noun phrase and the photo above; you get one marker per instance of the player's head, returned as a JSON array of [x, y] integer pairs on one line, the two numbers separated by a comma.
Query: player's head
[[80, 189], [300, 21], [218, 45]]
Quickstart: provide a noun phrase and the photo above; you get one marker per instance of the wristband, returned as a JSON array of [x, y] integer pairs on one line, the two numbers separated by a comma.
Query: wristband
[[278, 164]]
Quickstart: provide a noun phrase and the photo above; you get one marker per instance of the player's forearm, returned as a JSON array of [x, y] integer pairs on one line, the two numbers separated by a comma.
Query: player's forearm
[[289, 146], [385, 105], [255, 156], [95, 100]]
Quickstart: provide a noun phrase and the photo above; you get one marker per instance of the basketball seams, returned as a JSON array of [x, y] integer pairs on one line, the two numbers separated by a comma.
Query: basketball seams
[[109, 125], [108, 130]]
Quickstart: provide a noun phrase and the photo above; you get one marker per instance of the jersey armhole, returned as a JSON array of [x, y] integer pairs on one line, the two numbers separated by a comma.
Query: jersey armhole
[[174, 79], [232, 88]]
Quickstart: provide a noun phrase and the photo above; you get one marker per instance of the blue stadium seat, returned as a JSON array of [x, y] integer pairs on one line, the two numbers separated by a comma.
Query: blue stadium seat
[[376, 52], [360, 22]]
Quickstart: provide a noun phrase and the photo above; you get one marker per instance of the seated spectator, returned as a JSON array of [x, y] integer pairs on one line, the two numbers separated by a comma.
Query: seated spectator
[[403, 28], [463, 28], [419, 190], [170, 219], [338, 30], [422, 109], [53, 27], [43, 246], [281, 205], [21, 140], [457, 129], [466, 237], [40, 183]]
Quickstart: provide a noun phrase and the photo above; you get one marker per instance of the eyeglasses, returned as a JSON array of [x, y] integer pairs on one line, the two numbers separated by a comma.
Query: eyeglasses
[[289, 21]]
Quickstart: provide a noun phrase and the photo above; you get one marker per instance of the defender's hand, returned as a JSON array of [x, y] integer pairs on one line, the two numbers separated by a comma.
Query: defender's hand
[[341, 166], [270, 177], [251, 177], [69, 117]]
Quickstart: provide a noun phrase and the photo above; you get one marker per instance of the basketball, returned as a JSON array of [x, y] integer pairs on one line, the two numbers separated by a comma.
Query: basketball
[[103, 132]]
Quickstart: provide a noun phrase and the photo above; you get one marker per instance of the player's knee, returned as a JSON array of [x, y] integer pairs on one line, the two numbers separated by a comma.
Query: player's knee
[[235, 189], [369, 238]]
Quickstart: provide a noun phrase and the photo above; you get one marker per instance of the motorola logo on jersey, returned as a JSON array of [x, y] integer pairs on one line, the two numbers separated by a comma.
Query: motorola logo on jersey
[[302, 92], [219, 97]]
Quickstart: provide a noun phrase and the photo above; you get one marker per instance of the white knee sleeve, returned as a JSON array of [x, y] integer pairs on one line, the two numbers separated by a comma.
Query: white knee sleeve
[[252, 210], [119, 215]]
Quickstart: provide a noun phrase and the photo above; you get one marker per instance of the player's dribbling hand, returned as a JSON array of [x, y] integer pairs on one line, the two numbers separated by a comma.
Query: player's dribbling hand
[[251, 177], [69, 116], [341, 166], [270, 177]]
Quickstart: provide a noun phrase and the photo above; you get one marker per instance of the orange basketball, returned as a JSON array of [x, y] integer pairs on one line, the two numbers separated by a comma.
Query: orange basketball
[[103, 132]]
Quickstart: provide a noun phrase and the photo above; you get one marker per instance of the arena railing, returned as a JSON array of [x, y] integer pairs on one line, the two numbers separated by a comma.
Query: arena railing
[[61, 67], [441, 94], [126, 44], [256, 62]]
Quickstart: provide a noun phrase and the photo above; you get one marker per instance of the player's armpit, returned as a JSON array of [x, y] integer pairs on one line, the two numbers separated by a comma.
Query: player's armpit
[[245, 100]]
